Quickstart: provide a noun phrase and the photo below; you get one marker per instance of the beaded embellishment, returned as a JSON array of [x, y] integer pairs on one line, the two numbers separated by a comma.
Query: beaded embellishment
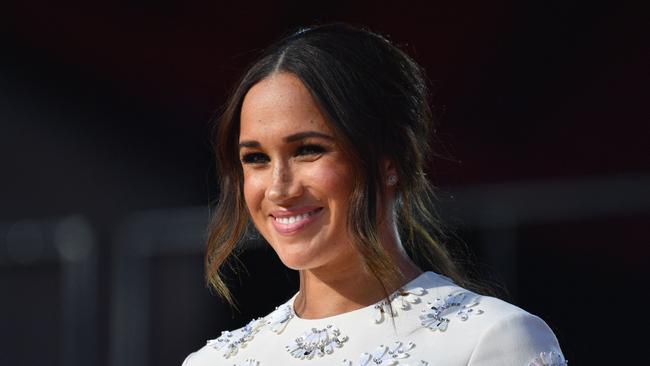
[[316, 342], [248, 362], [407, 297], [549, 359], [435, 315], [383, 355], [279, 318], [231, 342], [381, 308], [402, 298]]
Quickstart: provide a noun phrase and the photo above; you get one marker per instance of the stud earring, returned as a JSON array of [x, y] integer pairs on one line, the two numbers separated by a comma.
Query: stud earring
[[392, 180]]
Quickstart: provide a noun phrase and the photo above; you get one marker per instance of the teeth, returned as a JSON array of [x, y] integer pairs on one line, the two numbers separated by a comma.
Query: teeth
[[293, 219]]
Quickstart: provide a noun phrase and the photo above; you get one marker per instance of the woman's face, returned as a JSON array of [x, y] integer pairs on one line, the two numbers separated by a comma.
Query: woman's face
[[297, 180]]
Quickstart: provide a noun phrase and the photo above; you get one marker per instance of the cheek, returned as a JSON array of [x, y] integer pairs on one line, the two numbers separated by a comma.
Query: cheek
[[253, 191], [334, 181]]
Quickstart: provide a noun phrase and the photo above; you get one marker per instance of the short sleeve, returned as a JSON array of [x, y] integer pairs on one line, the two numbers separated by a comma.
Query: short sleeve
[[521, 339]]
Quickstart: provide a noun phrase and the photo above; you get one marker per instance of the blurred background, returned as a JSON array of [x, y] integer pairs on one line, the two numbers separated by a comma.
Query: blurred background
[[106, 173]]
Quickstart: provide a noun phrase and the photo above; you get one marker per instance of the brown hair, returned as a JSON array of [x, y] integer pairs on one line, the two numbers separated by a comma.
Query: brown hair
[[377, 100]]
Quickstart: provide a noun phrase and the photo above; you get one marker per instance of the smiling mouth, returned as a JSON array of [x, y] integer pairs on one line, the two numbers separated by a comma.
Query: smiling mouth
[[288, 220], [289, 225]]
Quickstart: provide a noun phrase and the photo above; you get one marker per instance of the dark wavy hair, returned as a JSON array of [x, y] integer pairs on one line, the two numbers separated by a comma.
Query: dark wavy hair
[[377, 101]]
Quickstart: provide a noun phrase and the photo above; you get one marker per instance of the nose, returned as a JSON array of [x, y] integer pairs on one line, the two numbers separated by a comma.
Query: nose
[[284, 185]]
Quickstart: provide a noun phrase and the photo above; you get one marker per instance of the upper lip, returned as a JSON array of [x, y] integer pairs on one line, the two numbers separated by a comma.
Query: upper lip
[[293, 211]]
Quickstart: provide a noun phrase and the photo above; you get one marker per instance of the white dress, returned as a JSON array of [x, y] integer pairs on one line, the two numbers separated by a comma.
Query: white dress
[[435, 322]]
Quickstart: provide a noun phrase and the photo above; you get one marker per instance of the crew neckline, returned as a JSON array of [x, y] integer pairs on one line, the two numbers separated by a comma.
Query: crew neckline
[[435, 281]]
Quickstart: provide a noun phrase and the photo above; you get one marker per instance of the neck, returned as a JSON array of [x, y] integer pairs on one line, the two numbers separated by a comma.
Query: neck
[[325, 292]]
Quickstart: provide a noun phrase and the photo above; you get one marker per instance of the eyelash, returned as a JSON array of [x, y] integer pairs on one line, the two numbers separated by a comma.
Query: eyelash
[[303, 150], [254, 158], [310, 149]]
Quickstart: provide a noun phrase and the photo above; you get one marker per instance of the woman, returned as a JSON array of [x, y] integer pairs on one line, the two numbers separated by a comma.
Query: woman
[[322, 146]]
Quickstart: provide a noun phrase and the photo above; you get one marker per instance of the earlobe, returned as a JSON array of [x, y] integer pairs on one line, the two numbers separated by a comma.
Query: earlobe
[[392, 180], [389, 171]]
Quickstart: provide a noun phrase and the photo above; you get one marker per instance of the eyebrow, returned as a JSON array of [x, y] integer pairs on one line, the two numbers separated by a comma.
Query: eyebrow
[[291, 138]]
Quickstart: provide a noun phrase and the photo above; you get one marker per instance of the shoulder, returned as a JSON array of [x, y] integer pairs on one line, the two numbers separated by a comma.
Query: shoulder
[[510, 335], [224, 349], [491, 331]]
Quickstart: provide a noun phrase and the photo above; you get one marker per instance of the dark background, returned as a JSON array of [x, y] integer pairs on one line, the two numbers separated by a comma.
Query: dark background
[[106, 172]]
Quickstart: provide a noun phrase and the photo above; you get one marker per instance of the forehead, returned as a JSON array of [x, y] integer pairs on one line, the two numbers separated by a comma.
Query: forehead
[[280, 104]]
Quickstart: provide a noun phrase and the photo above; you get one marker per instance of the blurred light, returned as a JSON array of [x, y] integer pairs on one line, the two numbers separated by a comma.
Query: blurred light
[[74, 239]]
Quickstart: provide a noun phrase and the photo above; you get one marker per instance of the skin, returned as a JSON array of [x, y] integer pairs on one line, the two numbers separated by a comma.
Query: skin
[[293, 165]]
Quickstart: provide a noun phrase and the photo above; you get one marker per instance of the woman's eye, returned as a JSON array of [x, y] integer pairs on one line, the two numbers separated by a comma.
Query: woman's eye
[[255, 158], [310, 150]]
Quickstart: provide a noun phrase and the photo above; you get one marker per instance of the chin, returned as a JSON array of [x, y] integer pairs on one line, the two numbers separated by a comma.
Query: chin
[[300, 260], [296, 262]]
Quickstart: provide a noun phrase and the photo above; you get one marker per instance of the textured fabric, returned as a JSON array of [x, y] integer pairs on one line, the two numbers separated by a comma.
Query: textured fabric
[[435, 322]]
